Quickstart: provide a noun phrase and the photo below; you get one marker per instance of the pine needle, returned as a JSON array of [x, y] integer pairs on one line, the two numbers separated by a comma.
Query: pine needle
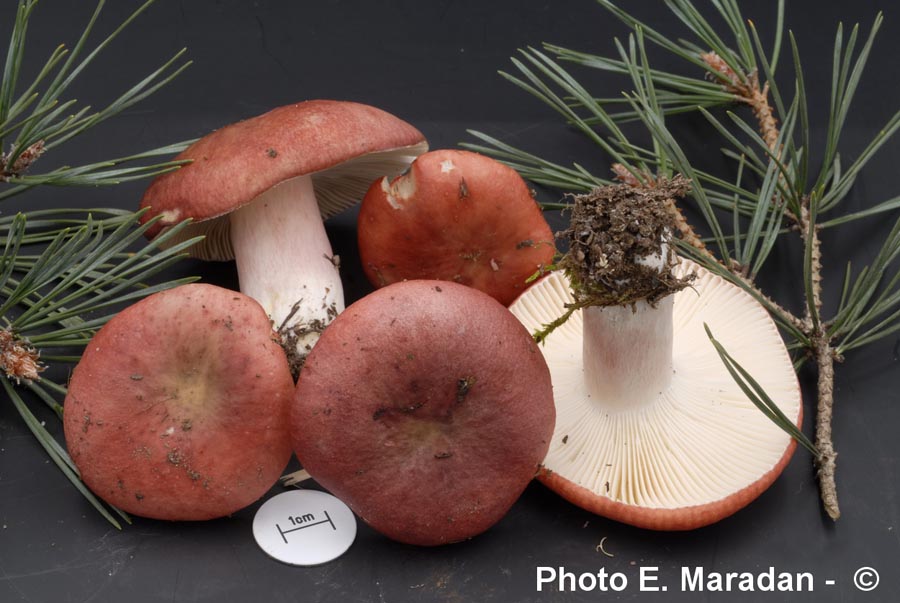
[[52, 301], [779, 190], [65, 272]]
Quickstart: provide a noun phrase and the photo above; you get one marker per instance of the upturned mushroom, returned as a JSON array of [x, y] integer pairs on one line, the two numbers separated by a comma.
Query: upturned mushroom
[[455, 216], [427, 408], [259, 190], [178, 409], [651, 428]]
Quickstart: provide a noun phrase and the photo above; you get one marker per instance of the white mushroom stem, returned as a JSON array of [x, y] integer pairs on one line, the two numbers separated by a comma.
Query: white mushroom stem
[[285, 262], [628, 349], [628, 352]]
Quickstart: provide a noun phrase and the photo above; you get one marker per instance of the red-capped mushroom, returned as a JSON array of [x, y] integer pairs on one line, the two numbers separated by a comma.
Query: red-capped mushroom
[[454, 216], [259, 190], [427, 408], [178, 409]]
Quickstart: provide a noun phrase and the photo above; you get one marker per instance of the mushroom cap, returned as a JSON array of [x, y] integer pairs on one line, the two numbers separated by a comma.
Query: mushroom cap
[[454, 216], [342, 145], [697, 453], [427, 408], [178, 409]]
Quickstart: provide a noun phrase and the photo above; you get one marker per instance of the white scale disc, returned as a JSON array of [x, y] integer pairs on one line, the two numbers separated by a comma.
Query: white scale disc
[[304, 527]]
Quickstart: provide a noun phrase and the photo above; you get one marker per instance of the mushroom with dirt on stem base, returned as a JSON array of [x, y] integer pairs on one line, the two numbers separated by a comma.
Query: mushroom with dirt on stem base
[[259, 190], [652, 430]]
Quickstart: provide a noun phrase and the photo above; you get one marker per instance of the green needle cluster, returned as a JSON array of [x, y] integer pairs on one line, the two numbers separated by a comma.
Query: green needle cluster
[[37, 117], [779, 183], [65, 272]]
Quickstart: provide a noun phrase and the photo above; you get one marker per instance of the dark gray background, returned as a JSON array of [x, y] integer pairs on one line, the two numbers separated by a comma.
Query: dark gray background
[[434, 64]]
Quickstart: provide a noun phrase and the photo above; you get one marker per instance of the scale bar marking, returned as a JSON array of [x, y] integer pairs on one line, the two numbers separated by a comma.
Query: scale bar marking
[[327, 519]]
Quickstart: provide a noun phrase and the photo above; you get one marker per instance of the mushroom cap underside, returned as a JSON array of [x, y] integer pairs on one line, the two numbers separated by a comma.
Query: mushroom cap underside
[[698, 452], [342, 146], [427, 408]]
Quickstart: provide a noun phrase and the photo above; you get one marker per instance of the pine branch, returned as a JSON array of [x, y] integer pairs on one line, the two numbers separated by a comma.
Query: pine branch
[[63, 272], [47, 302], [772, 195], [826, 461], [39, 122]]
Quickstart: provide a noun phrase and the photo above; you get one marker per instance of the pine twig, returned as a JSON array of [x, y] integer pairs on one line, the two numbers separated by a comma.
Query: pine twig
[[820, 344], [776, 154], [809, 232], [747, 89], [826, 461], [36, 121], [56, 297], [53, 301]]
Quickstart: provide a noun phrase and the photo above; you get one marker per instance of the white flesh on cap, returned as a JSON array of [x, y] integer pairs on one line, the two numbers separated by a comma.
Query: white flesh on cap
[[284, 258], [647, 414]]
